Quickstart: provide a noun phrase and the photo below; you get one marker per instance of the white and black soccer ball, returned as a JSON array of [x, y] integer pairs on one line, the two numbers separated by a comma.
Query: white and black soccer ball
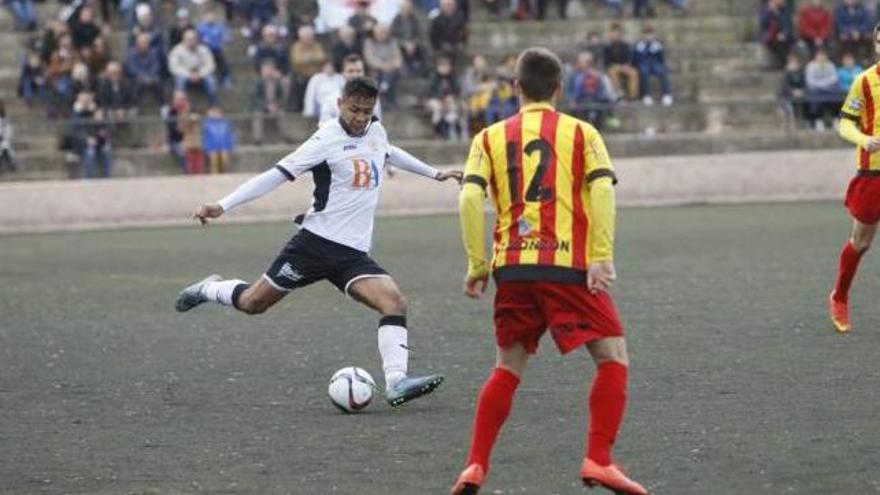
[[351, 389]]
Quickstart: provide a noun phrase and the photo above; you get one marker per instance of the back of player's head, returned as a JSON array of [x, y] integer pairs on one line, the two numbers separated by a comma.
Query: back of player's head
[[539, 72], [360, 87]]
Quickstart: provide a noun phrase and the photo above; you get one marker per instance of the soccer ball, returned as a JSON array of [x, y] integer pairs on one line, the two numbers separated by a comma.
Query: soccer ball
[[351, 389]]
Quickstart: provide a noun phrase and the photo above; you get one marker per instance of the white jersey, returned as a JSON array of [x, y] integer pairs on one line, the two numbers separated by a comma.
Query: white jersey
[[348, 172]]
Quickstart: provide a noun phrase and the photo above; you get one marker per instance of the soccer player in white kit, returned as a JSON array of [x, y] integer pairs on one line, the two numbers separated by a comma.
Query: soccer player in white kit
[[346, 159]]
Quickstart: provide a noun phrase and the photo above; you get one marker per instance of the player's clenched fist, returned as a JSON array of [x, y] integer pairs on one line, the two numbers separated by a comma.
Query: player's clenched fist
[[208, 210]]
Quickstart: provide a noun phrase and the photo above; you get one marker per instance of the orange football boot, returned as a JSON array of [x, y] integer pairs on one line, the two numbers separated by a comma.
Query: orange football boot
[[839, 312], [469, 481], [610, 477]]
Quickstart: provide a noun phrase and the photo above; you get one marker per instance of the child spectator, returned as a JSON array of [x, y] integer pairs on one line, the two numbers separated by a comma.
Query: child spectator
[[321, 87], [32, 81], [7, 161], [777, 32], [174, 132], [406, 28], [814, 25], [382, 55], [307, 56], [91, 136], [793, 90], [853, 26], [823, 89], [218, 140], [192, 66], [266, 101], [189, 124], [618, 56], [847, 72], [142, 66], [213, 33], [114, 93], [650, 59], [443, 101]]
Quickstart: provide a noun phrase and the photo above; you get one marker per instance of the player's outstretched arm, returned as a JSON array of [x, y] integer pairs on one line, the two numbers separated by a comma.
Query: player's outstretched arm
[[252, 189], [405, 161]]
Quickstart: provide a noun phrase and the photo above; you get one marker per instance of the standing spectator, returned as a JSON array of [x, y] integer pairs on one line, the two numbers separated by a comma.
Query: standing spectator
[[823, 89], [189, 124], [24, 13], [322, 86], [345, 45], [182, 23], [847, 72], [352, 67], [792, 94], [443, 101], [83, 29], [814, 25], [32, 81], [143, 68], [218, 140], [362, 22], [383, 57], [114, 93], [174, 132], [307, 56], [213, 33], [651, 61], [588, 94], [853, 26], [777, 32], [406, 28], [449, 31], [618, 57], [192, 65], [266, 101], [7, 161]]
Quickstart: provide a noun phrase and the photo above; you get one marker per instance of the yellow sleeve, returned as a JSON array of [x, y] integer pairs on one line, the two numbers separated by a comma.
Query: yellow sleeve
[[851, 115], [600, 180], [470, 208]]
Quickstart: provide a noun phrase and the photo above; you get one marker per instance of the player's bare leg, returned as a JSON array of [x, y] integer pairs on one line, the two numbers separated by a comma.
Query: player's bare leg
[[251, 299], [850, 256], [493, 407], [607, 402], [382, 294]]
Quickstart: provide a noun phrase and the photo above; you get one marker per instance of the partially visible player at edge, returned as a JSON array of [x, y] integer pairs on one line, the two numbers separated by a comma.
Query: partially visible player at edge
[[859, 124], [346, 159], [551, 181]]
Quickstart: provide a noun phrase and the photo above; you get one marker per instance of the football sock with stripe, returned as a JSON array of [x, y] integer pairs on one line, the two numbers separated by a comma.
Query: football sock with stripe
[[392, 335], [846, 271], [493, 407], [607, 402], [225, 292]]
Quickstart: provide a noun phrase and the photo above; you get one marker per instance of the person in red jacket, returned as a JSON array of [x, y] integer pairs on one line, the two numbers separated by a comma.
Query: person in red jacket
[[814, 25]]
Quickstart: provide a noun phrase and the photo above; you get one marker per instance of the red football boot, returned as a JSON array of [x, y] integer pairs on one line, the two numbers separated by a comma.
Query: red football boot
[[610, 477]]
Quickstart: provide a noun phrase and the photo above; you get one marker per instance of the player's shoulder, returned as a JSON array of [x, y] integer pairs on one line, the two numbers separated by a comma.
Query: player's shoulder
[[872, 73], [576, 124]]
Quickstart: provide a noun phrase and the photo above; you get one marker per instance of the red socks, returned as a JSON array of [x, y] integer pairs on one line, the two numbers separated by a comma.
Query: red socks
[[493, 407], [849, 263], [607, 402]]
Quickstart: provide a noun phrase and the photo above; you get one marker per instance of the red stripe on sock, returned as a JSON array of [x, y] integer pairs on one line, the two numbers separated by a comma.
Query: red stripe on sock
[[493, 407], [607, 403], [846, 271]]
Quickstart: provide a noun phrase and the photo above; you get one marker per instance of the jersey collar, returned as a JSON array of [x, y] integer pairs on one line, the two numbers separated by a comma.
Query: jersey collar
[[351, 133], [535, 107]]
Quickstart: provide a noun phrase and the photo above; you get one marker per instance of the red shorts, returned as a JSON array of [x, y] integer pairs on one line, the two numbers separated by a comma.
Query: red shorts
[[574, 316], [863, 198]]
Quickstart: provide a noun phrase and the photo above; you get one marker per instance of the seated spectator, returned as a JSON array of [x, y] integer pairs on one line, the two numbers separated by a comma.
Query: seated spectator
[[793, 91], [643, 8], [182, 23], [259, 13], [776, 30], [83, 29], [266, 101], [7, 160], [213, 33], [848, 71], [24, 12], [476, 91], [97, 56], [618, 57], [823, 89], [307, 56], [32, 81], [362, 22], [218, 140], [650, 59], [146, 24], [352, 67], [854, 30], [346, 44], [192, 66], [594, 45], [589, 96], [541, 8], [443, 101], [59, 79], [81, 79], [449, 31], [814, 25], [114, 94], [322, 86], [143, 68], [406, 28], [383, 57], [91, 136]]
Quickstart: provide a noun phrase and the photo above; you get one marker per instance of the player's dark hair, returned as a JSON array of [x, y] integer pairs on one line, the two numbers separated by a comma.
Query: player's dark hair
[[539, 72], [361, 87]]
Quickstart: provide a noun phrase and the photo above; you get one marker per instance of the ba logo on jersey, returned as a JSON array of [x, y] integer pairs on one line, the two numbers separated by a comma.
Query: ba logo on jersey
[[366, 174]]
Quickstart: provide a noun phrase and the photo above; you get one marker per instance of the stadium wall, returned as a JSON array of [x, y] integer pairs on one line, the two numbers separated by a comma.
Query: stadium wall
[[675, 180]]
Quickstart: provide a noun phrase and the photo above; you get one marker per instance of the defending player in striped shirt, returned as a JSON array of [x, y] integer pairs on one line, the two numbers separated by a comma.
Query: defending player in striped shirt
[[551, 181]]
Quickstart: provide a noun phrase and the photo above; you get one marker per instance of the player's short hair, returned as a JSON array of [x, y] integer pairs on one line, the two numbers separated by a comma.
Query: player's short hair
[[539, 72], [361, 87]]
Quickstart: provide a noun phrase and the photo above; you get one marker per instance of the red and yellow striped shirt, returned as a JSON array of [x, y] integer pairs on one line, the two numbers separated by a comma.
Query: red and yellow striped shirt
[[539, 166], [862, 107]]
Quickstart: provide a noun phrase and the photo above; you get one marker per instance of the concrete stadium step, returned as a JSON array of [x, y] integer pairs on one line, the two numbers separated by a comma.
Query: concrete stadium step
[[595, 9]]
